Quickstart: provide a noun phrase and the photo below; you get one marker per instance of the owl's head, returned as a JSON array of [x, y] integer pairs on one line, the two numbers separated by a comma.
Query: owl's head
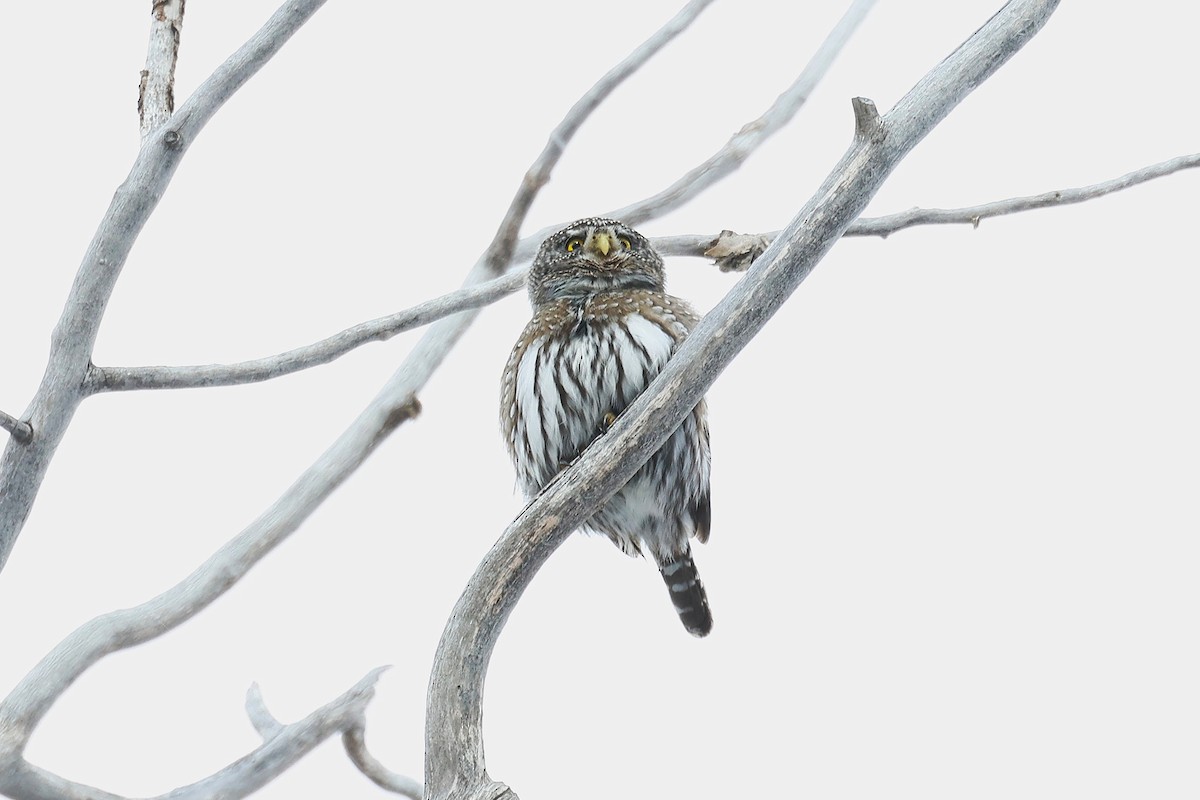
[[593, 255]]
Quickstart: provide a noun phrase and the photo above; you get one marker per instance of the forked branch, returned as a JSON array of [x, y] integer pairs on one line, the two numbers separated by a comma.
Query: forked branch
[[286, 744], [23, 466], [353, 739]]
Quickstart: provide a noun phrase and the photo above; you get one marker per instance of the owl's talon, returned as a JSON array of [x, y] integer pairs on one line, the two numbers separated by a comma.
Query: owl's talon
[[609, 419]]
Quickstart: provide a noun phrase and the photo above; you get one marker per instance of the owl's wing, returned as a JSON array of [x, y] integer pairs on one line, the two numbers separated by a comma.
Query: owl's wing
[[673, 315], [678, 318]]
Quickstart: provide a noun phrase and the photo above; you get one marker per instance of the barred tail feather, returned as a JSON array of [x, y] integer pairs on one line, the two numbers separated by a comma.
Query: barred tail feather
[[687, 593]]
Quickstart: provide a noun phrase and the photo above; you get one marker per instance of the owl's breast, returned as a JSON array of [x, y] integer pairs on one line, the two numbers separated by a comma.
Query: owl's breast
[[572, 378]]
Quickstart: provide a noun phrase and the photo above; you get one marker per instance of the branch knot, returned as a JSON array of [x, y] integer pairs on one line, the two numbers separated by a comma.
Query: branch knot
[[868, 125]]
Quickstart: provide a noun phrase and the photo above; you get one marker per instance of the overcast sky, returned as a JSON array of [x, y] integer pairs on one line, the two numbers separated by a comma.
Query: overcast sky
[[955, 518]]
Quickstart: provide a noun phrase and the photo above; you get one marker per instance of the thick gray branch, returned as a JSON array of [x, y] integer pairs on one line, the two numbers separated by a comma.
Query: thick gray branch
[[156, 96], [23, 466], [454, 744]]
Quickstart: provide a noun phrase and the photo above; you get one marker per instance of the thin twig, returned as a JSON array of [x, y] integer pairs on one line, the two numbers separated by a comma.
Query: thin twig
[[115, 379], [454, 715], [156, 95], [354, 740], [21, 431], [260, 716], [23, 467], [735, 251], [752, 135]]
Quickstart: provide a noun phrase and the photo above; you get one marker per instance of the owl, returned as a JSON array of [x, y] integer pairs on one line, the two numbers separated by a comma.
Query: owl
[[602, 328]]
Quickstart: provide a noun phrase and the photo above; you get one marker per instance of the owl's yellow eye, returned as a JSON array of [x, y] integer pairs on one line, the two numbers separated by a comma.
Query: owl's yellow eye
[[573, 243], [628, 245]]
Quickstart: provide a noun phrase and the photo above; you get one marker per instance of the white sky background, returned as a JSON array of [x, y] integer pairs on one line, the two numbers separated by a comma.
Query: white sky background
[[954, 547]]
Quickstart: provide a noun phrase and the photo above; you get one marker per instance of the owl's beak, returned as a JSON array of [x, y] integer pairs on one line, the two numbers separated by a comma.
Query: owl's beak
[[602, 243]]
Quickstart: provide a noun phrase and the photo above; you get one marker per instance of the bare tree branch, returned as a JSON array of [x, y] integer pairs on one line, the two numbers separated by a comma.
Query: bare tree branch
[[288, 744], [971, 215], [25, 780], [377, 330], [156, 96], [21, 431], [454, 739], [356, 747], [23, 466]]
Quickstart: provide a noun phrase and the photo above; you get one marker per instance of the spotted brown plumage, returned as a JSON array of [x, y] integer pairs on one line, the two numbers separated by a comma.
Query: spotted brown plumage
[[602, 329]]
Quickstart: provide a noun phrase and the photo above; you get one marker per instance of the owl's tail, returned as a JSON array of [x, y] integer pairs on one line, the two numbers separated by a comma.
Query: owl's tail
[[687, 593]]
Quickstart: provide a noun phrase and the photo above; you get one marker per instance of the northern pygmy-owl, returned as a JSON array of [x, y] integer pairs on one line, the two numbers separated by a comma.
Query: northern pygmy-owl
[[602, 328]]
